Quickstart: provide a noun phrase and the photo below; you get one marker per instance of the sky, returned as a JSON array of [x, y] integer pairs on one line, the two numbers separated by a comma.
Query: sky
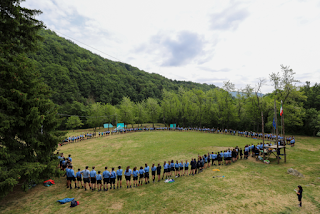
[[201, 41]]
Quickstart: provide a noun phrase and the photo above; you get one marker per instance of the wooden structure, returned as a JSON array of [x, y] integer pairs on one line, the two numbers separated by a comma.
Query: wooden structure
[[276, 147]]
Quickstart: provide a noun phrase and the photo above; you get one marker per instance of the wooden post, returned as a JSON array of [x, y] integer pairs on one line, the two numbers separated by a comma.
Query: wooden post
[[262, 126], [284, 138], [275, 117]]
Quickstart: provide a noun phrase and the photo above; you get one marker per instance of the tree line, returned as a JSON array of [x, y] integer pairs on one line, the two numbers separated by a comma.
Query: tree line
[[213, 108]]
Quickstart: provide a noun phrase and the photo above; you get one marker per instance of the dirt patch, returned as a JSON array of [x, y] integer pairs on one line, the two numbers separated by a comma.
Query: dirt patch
[[117, 205]]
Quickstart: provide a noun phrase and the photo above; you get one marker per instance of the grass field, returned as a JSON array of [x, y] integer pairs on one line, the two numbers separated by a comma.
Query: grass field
[[248, 186]]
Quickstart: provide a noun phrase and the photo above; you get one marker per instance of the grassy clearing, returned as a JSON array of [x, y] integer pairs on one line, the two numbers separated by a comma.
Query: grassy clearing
[[248, 186]]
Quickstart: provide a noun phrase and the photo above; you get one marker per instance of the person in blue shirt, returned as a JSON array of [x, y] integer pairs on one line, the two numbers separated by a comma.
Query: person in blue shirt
[[127, 174], [177, 169], [135, 174], [106, 178], [86, 175], [181, 168], [93, 175], [141, 175], [153, 171], [226, 157], [70, 177], [246, 152], [158, 171], [292, 142], [99, 178], [205, 159], [171, 168], [119, 177], [146, 173], [165, 170], [186, 167], [70, 159], [112, 179], [79, 179]]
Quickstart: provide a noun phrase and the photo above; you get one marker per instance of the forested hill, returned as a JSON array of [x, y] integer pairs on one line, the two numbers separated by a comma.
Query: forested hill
[[76, 74]]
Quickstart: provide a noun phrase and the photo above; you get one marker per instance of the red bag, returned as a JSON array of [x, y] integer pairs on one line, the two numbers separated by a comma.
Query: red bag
[[51, 181]]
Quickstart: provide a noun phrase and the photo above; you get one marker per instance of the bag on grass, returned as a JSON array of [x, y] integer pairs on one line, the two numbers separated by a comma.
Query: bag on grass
[[74, 203]]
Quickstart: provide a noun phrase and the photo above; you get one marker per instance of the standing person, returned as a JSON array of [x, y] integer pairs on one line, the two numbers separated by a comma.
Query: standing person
[[177, 168], [79, 179], [93, 175], [99, 178], [209, 157], [70, 159], [181, 168], [159, 171], [113, 179], [186, 167], [234, 155], [171, 168], [141, 173], [106, 178], [240, 151], [146, 173], [86, 175], [70, 177], [299, 194], [165, 170], [205, 160], [256, 152], [219, 158], [135, 176], [153, 171], [192, 167], [246, 152], [127, 175], [119, 177]]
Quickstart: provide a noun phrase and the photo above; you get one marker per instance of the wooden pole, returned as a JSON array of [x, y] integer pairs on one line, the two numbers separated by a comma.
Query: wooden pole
[[275, 118], [284, 138], [262, 126]]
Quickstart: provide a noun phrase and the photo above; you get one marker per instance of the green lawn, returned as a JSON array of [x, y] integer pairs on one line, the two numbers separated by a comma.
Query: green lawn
[[248, 186]]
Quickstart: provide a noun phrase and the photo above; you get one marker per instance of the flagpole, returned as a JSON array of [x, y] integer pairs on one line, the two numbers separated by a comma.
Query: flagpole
[[275, 116]]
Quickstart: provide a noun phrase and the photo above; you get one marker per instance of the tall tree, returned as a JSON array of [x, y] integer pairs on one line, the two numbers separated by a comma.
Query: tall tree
[[153, 109], [73, 122], [96, 115], [28, 118], [126, 110], [140, 112]]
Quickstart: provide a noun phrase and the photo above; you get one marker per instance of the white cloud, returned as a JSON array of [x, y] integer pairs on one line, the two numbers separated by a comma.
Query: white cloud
[[207, 41]]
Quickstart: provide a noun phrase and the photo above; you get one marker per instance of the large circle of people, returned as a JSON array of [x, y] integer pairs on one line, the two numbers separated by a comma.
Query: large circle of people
[[111, 179]]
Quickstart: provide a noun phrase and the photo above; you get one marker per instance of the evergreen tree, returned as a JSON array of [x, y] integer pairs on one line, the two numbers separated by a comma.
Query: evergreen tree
[[28, 117]]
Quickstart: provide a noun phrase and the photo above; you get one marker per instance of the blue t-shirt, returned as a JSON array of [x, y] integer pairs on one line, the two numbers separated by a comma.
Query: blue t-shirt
[[225, 154], [147, 169], [128, 173], [106, 174], [186, 164], [180, 164], [172, 165], [113, 174], [99, 177], [135, 173], [177, 165], [165, 166], [86, 173], [70, 159], [70, 173], [93, 173], [79, 174], [119, 172], [141, 171], [153, 169]]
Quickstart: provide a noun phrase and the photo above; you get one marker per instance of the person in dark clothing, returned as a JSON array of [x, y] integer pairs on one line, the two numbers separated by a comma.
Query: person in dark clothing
[[299, 194]]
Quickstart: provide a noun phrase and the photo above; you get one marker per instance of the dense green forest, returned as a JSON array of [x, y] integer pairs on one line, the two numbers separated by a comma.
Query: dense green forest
[[86, 84], [76, 74]]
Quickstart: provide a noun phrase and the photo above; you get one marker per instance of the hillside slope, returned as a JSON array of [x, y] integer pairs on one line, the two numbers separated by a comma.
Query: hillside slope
[[76, 74]]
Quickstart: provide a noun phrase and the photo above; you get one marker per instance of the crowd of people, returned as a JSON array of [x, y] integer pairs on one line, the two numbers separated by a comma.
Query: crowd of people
[[249, 134], [111, 178]]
